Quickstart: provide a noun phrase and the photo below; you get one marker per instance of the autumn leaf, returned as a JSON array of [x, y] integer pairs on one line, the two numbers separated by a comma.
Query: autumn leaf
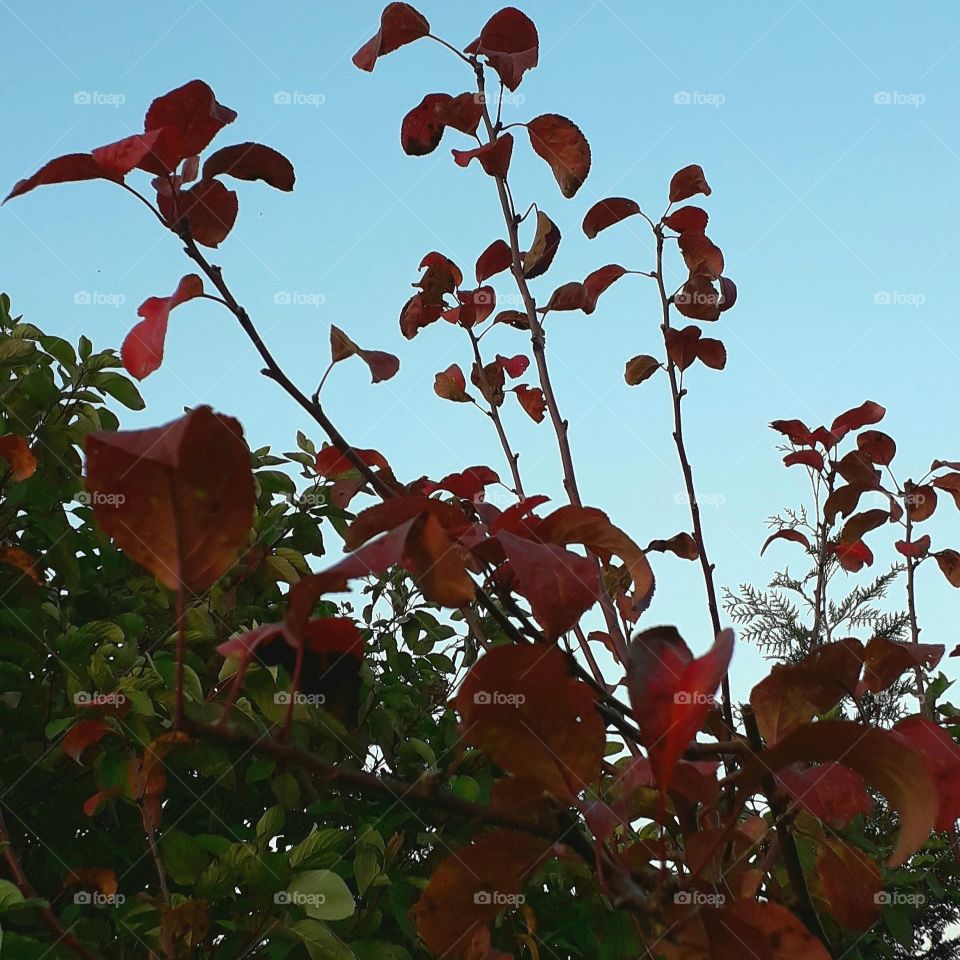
[[493, 157], [159, 493], [451, 384], [949, 562], [400, 24], [523, 707], [640, 368], [510, 43], [252, 161], [828, 791], [496, 258], [687, 218], [468, 484], [687, 182], [382, 365], [532, 400], [546, 241], [142, 350], [67, 169], [82, 735], [560, 142], [876, 446], [793, 535], [940, 754], [22, 462], [597, 282], [331, 462], [29, 565], [608, 212], [885, 660]]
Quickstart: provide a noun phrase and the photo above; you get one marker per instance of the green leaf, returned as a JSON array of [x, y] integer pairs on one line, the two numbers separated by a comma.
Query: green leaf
[[10, 895], [322, 894], [319, 846], [321, 942], [121, 389], [270, 823], [182, 856]]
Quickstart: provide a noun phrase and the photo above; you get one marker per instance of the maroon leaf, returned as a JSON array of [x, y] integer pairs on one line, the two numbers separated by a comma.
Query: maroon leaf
[[687, 182], [532, 400], [546, 241], [382, 365], [452, 385], [510, 43], [561, 143], [496, 258], [640, 368], [597, 282], [252, 161], [68, 169], [687, 218], [399, 24], [608, 212], [809, 458], [422, 128], [795, 536]]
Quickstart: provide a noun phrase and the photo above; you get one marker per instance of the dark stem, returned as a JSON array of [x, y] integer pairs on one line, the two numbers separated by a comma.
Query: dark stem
[[181, 645], [912, 603], [677, 396], [819, 596], [51, 920]]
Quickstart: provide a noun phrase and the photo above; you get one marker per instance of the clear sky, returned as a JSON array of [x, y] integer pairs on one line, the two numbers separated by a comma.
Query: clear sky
[[828, 133]]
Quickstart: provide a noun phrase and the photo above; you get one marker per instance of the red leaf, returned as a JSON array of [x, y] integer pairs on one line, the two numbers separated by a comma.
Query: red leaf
[[728, 293], [211, 211], [142, 350], [14, 449], [521, 705], [608, 212], [382, 365], [568, 296], [160, 492], [532, 400], [82, 735], [885, 660], [830, 792], [687, 182], [671, 692], [854, 556], [468, 484], [795, 431], [513, 318], [687, 218], [399, 24], [475, 306], [877, 447], [513, 366], [793, 535], [868, 412], [949, 563], [510, 43], [712, 352], [916, 548], [68, 169], [561, 143], [29, 565], [493, 157], [452, 385], [462, 112], [851, 881], [119, 158], [559, 585], [941, 756], [422, 128], [416, 314], [537, 260], [93, 805], [920, 502], [700, 253], [683, 545], [252, 161], [640, 368], [193, 118], [597, 282], [809, 458], [879, 756], [332, 463], [698, 299], [682, 345], [951, 483], [496, 258]]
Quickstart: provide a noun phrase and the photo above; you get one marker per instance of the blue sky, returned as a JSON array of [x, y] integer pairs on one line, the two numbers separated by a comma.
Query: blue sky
[[829, 138]]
